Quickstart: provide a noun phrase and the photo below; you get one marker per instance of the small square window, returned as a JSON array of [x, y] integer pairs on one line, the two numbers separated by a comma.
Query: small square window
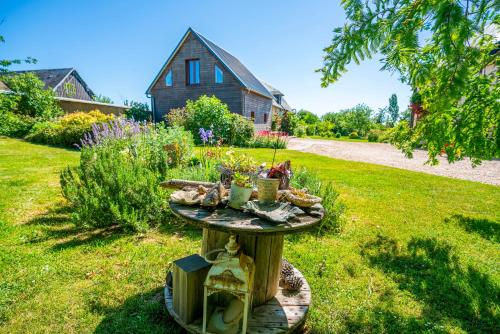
[[219, 75], [168, 78]]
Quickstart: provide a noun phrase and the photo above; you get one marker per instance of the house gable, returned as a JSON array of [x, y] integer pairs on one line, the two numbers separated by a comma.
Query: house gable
[[228, 61], [73, 86]]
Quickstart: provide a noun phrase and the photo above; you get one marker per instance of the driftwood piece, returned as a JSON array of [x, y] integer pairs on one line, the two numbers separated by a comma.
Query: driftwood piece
[[214, 195], [179, 184]]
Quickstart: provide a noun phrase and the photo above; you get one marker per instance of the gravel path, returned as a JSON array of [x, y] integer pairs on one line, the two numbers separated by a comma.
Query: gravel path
[[385, 154]]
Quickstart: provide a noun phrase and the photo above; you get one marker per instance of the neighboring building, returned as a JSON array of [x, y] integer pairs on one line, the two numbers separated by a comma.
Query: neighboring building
[[199, 67], [72, 93]]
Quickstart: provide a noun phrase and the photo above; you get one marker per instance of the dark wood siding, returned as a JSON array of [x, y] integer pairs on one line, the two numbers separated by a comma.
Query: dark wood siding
[[167, 98], [65, 89], [260, 106]]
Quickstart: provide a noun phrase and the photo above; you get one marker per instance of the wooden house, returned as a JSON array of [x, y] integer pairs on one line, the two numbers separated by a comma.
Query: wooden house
[[198, 67]]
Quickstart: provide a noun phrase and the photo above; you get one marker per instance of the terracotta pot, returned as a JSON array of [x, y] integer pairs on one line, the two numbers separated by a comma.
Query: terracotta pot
[[239, 196], [267, 189]]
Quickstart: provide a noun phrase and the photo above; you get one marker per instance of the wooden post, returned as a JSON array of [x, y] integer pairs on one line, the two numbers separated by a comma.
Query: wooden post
[[266, 251]]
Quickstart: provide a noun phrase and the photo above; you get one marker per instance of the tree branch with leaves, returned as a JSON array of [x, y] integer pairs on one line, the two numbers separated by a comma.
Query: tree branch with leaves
[[440, 48]]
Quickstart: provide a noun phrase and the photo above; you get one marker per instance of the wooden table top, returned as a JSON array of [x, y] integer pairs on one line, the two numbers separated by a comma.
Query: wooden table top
[[230, 220]]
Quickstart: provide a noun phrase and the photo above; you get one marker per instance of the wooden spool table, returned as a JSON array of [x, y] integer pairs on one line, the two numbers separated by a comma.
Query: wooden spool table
[[275, 310]]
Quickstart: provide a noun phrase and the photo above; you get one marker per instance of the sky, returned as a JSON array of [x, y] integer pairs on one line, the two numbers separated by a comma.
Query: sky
[[119, 46]]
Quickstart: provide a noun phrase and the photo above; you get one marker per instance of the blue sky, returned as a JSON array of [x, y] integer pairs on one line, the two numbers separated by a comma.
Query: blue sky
[[119, 46]]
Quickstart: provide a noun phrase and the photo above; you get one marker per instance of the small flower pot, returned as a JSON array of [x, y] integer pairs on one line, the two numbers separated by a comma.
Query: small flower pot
[[239, 196], [267, 189]]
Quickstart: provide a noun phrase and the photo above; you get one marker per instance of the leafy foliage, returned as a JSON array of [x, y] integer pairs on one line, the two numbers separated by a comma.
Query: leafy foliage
[[15, 125], [356, 119], [393, 109], [117, 181], [138, 111], [211, 113], [307, 117], [334, 208], [67, 130], [441, 49], [28, 97], [102, 99]]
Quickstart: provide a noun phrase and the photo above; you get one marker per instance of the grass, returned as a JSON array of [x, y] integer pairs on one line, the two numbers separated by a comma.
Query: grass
[[343, 138], [418, 253]]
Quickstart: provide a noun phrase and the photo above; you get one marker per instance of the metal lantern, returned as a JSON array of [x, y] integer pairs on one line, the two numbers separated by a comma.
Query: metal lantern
[[231, 272]]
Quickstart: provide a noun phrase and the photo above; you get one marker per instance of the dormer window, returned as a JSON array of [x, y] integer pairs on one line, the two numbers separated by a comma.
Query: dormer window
[[193, 72], [168, 78], [278, 98], [219, 75]]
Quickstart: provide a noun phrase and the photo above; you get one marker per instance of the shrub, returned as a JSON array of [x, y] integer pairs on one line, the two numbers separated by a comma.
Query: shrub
[[374, 135], [178, 116], [15, 125], [67, 130], [300, 131], [338, 135], [28, 97], [268, 142], [324, 129], [118, 176], [354, 135], [138, 111], [334, 209], [241, 130], [210, 113]]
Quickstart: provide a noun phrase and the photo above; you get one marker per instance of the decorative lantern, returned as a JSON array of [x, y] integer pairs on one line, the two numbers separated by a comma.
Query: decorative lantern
[[231, 272]]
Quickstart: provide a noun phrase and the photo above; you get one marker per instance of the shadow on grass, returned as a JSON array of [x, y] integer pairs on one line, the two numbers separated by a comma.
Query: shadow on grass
[[56, 225], [487, 229], [142, 313], [430, 271]]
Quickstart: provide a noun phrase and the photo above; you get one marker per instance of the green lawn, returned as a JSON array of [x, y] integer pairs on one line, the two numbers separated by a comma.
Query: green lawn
[[418, 253]]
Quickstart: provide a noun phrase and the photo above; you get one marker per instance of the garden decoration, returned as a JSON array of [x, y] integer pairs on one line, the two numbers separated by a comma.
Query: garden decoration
[[231, 272], [248, 288]]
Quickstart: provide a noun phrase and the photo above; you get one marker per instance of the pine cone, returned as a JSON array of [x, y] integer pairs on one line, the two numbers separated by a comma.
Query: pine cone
[[293, 283], [286, 269]]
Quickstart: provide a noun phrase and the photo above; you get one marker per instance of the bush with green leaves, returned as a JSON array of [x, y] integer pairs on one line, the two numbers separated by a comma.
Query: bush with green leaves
[[211, 113], [15, 125], [265, 141], [138, 111], [334, 208], [67, 130], [353, 135], [28, 97], [117, 180]]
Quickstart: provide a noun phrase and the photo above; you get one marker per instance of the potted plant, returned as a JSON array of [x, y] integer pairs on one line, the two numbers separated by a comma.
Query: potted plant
[[241, 190], [236, 163]]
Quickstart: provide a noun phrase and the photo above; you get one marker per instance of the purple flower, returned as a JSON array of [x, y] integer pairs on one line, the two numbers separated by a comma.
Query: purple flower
[[210, 134], [204, 135]]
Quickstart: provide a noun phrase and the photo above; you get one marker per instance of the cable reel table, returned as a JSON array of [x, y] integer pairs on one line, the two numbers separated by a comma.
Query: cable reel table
[[275, 310]]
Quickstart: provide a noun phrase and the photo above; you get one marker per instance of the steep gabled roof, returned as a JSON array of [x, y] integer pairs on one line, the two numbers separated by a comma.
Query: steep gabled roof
[[276, 92], [53, 78], [232, 64]]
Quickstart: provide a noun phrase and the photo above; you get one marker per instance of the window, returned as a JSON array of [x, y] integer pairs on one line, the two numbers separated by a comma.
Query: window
[[265, 118], [193, 72], [252, 115], [168, 78], [219, 75]]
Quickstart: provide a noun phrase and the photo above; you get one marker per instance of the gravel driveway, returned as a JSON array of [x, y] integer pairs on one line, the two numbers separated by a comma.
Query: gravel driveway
[[385, 154]]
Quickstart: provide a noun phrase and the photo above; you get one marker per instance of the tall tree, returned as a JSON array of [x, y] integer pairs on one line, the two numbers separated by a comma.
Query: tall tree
[[440, 48], [393, 109]]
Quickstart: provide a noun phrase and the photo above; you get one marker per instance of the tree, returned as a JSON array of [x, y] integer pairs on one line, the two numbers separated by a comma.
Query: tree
[[439, 48], [381, 116], [393, 110], [102, 99], [28, 97], [138, 111], [307, 117]]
